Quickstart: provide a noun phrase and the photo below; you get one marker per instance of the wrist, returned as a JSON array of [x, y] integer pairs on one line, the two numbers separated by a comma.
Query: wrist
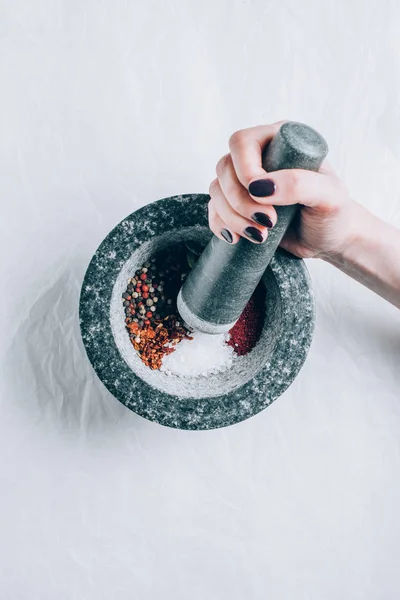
[[370, 255], [358, 231]]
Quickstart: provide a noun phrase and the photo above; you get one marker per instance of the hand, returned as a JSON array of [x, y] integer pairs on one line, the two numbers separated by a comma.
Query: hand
[[243, 195]]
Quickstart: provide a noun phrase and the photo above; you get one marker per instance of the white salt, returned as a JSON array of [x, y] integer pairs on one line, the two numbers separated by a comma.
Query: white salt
[[203, 355]]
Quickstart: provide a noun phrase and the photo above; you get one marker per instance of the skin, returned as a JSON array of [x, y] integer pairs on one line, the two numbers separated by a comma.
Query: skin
[[332, 226]]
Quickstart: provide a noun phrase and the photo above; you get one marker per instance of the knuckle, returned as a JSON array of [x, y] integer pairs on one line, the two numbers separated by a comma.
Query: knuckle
[[237, 138], [214, 186], [223, 164]]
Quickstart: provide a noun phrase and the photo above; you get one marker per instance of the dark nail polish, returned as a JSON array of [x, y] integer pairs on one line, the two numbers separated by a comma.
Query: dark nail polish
[[262, 219], [227, 235], [254, 234], [262, 188]]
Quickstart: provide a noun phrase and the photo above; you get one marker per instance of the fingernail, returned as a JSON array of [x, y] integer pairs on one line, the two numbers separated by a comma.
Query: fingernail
[[262, 188], [254, 234], [227, 235], [262, 219]]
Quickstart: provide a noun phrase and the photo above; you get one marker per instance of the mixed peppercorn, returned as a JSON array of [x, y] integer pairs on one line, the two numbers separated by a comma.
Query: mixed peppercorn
[[150, 309]]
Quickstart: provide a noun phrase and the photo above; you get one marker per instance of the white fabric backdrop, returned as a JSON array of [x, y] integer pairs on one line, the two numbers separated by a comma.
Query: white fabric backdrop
[[106, 105]]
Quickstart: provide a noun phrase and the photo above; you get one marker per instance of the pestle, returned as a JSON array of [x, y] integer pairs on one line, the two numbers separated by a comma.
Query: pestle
[[225, 276]]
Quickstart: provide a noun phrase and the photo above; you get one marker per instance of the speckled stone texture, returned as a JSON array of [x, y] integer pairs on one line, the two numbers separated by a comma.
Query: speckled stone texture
[[232, 396]]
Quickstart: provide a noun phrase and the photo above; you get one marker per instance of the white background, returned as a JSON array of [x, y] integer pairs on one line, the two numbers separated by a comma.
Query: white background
[[106, 105]]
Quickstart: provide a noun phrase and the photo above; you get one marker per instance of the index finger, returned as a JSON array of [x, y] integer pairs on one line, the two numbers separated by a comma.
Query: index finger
[[246, 146]]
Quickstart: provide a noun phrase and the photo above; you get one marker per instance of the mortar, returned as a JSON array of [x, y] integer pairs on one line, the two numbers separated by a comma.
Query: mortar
[[218, 400]]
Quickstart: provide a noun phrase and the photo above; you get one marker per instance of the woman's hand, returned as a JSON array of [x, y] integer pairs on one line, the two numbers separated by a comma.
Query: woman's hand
[[243, 197]]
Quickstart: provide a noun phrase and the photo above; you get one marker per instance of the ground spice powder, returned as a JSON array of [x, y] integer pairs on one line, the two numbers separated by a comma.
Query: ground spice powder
[[247, 330]]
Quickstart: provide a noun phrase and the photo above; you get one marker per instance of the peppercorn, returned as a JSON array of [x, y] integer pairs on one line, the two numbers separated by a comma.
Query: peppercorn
[[145, 288], [149, 314], [149, 302], [143, 276], [145, 295]]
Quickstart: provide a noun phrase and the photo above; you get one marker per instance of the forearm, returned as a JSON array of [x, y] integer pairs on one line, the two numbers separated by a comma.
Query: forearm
[[372, 256]]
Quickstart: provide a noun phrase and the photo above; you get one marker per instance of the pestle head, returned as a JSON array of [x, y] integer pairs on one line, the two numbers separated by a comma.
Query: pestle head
[[225, 276], [295, 146]]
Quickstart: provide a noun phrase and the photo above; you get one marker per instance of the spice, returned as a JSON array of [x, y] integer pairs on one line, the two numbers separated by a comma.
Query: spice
[[247, 330], [155, 334], [155, 341]]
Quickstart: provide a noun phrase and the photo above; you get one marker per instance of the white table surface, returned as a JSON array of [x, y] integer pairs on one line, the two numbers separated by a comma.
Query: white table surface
[[106, 105]]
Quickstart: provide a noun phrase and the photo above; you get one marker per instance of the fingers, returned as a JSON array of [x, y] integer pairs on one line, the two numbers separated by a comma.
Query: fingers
[[296, 186], [244, 194], [219, 228], [239, 198], [246, 146], [222, 216]]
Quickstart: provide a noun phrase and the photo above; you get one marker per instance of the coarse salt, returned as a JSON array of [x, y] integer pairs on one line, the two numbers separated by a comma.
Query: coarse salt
[[203, 355]]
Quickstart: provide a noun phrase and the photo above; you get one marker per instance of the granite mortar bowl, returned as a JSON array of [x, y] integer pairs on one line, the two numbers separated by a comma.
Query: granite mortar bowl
[[220, 399]]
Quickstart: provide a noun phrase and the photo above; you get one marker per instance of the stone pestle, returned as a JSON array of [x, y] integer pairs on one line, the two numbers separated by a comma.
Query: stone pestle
[[225, 276]]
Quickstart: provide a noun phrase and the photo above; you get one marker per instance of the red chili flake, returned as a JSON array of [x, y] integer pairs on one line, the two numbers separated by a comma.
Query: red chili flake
[[247, 330]]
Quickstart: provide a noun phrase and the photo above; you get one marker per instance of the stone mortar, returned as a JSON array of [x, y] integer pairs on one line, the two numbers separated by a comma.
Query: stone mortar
[[218, 400]]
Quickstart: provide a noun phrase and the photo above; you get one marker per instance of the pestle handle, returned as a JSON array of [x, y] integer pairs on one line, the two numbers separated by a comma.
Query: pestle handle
[[224, 278]]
